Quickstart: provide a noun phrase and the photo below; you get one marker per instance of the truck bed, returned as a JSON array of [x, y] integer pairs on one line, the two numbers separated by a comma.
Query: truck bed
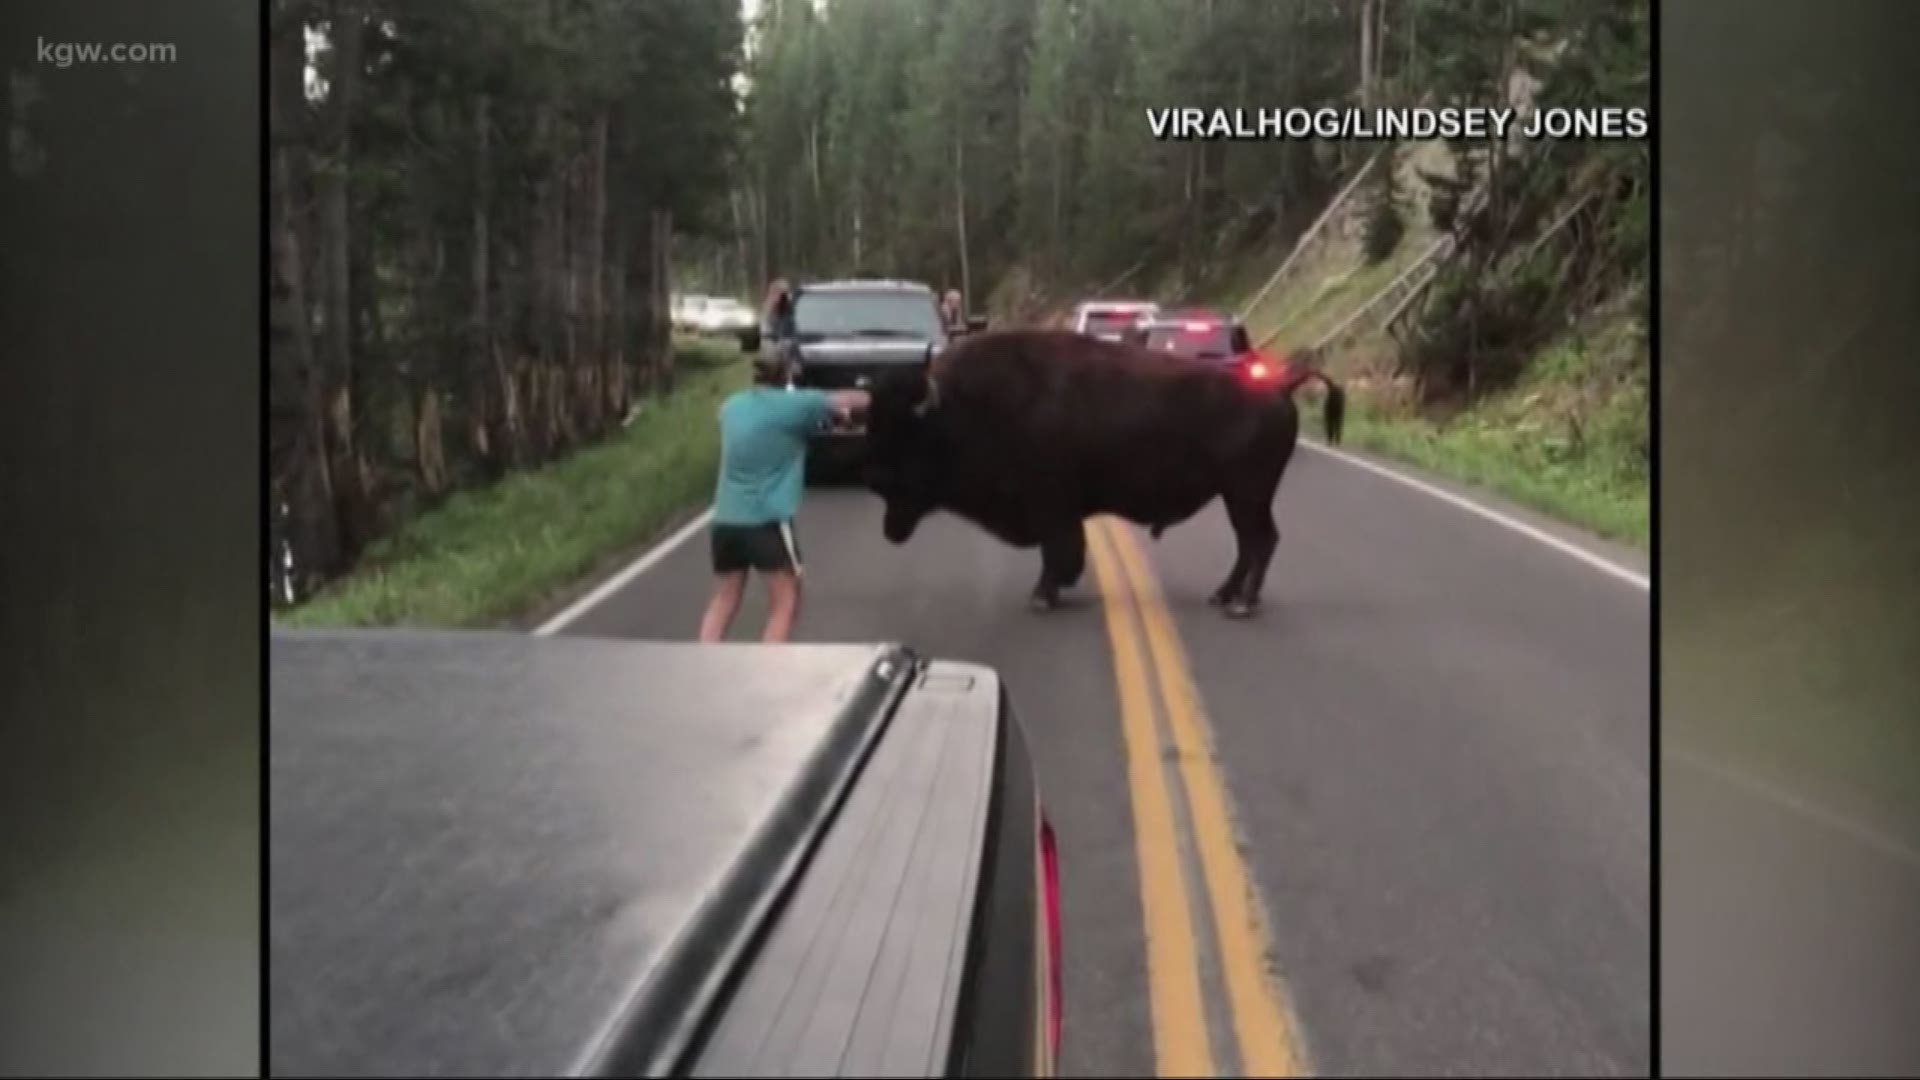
[[862, 972], [500, 855]]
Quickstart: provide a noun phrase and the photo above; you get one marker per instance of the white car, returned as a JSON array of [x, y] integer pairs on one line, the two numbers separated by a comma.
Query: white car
[[697, 314], [1110, 320], [686, 312], [725, 315]]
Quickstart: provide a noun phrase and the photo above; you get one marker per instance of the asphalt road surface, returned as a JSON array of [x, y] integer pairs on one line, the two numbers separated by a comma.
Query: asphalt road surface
[[1397, 824]]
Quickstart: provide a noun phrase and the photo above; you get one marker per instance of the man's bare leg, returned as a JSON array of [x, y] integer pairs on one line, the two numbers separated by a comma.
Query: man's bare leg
[[783, 604], [724, 605]]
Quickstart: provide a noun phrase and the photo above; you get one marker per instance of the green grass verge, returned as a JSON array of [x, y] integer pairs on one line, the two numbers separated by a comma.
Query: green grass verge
[[1568, 441], [487, 555], [1587, 490]]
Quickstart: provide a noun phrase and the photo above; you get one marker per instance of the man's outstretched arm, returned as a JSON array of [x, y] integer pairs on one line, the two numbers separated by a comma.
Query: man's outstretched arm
[[848, 402]]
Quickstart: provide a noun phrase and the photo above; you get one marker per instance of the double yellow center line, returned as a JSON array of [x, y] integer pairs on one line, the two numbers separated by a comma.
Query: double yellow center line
[[1262, 1024]]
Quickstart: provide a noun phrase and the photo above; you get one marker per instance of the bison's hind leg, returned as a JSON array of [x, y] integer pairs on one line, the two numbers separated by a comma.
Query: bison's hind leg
[[1257, 536]]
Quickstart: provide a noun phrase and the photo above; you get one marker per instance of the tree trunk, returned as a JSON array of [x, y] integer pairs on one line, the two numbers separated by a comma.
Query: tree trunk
[[1366, 52], [1382, 84], [813, 158], [346, 468], [766, 233], [960, 215], [593, 395], [572, 219], [596, 240], [300, 475], [1407, 72], [567, 373], [1055, 234], [429, 453], [619, 397], [481, 415], [660, 332], [734, 199], [546, 284], [1497, 152], [857, 260]]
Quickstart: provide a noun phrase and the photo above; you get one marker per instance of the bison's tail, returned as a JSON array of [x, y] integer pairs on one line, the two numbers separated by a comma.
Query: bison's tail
[[1334, 411]]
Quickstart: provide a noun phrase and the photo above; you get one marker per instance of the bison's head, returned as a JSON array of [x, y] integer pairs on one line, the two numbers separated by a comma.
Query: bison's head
[[902, 451]]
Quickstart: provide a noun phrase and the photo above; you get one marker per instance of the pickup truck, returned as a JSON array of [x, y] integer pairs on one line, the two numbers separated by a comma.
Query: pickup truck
[[850, 333], [494, 854]]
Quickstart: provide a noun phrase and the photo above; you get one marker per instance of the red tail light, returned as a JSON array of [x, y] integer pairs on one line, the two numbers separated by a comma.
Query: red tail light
[[1050, 897], [1200, 328], [1258, 370]]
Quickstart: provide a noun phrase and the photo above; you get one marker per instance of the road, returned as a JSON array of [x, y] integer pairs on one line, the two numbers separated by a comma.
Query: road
[[1398, 824]]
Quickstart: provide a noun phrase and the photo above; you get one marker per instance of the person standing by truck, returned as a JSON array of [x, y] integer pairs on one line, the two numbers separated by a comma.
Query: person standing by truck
[[776, 316], [764, 431], [953, 313]]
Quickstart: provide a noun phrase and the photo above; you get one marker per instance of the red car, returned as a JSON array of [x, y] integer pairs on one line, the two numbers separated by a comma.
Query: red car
[[1213, 337]]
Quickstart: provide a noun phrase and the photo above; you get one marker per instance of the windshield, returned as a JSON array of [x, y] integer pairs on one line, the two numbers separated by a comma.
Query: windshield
[[854, 314], [1214, 342]]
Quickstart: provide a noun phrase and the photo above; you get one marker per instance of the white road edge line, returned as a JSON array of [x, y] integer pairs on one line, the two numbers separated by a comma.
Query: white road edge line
[[619, 581], [1605, 566]]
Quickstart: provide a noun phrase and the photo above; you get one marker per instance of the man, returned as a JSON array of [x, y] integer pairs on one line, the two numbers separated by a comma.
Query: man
[[953, 313], [776, 316], [763, 458]]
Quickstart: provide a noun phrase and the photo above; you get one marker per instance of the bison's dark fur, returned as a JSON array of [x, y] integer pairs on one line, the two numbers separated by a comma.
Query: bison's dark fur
[[1027, 433]]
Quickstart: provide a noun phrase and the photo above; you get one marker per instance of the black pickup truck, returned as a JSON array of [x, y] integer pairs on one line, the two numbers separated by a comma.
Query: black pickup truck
[[847, 334], [494, 854]]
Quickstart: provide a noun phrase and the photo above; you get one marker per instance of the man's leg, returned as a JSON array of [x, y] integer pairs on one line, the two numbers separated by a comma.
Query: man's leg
[[783, 604], [783, 572], [732, 557], [727, 587]]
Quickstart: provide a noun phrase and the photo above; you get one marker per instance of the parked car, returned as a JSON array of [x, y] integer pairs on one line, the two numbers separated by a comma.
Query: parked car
[[1113, 320], [712, 315], [725, 316], [1214, 337], [686, 310], [496, 854]]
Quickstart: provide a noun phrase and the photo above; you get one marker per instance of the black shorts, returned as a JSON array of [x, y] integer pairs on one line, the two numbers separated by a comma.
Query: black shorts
[[772, 546]]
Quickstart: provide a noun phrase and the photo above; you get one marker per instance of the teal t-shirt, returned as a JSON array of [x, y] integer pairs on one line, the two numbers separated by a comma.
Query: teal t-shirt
[[763, 453]]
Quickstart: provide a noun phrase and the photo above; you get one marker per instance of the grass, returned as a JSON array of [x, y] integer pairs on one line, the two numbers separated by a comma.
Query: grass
[[1575, 491], [1568, 441], [490, 554]]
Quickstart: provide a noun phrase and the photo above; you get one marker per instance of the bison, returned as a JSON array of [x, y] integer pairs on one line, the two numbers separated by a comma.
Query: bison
[[1027, 433]]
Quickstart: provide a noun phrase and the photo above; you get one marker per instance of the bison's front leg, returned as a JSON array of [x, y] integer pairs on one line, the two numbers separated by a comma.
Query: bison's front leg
[[1063, 559]]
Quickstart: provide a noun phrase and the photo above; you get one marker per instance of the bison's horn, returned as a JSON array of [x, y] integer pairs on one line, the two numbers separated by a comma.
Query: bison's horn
[[931, 401]]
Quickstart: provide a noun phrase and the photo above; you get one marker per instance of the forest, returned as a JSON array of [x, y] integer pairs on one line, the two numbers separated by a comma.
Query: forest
[[1003, 146], [471, 212], [479, 207]]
